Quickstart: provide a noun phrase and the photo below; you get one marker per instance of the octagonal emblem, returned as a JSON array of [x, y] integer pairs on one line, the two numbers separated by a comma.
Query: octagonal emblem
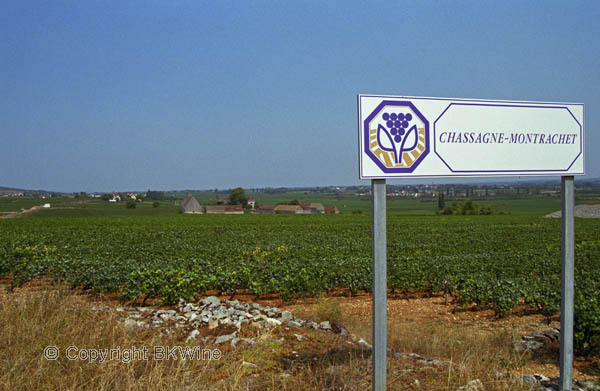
[[396, 136]]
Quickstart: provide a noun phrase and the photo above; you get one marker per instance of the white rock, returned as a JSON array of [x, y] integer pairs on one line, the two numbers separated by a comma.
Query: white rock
[[132, 323], [156, 323], [192, 316], [189, 308], [473, 385], [225, 321], [364, 343], [343, 332], [211, 300], [219, 314], [273, 322], [286, 316], [249, 364], [224, 338], [192, 335]]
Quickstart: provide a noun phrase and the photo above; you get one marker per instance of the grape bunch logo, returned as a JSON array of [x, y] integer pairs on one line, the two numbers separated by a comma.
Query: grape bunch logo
[[396, 136]]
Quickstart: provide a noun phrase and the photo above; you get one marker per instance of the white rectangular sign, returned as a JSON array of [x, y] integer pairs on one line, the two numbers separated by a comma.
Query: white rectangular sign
[[408, 137]]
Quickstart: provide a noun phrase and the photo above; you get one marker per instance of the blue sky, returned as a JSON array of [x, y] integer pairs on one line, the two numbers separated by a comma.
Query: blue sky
[[111, 95]]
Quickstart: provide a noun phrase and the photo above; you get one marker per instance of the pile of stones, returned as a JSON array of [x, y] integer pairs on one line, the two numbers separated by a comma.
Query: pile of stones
[[536, 382], [212, 313], [536, 340], [542, 383], [533, 343]]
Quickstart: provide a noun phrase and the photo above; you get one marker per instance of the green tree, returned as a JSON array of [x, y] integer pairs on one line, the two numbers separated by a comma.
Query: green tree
[[441, 201], [130, 204], [106, 197], [155, 204], [238, 197]]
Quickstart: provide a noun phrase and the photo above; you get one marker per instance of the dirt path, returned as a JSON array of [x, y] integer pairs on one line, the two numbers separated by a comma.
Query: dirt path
[[23, 212]]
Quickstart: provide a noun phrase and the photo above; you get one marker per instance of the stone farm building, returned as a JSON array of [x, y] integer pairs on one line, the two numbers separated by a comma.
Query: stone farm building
[[303, 208], [191, 205], [266, 209], [291, 209], [224, 209], [313, 208]]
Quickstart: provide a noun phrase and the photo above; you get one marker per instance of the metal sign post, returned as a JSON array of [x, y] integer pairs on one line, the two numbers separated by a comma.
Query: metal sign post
[[567, 282], [379, 284]]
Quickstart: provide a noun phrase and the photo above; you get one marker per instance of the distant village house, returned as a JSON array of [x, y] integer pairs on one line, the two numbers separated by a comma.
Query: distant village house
[[289, 209], [313, 208], [115, 198], [266, 209], [332, 209]]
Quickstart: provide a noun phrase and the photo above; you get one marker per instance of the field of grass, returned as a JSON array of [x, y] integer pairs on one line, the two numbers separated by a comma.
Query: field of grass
[[53, 315]]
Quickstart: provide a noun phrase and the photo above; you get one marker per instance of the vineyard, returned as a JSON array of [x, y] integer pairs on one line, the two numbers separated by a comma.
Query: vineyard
[[493, 261]]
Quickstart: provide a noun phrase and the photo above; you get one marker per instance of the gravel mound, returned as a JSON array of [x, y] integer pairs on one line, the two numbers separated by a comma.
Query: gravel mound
[[230, 315], [584, 211]]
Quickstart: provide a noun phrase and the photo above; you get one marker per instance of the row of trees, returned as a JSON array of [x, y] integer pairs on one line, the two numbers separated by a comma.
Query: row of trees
[[131, 204], [469, 208]]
